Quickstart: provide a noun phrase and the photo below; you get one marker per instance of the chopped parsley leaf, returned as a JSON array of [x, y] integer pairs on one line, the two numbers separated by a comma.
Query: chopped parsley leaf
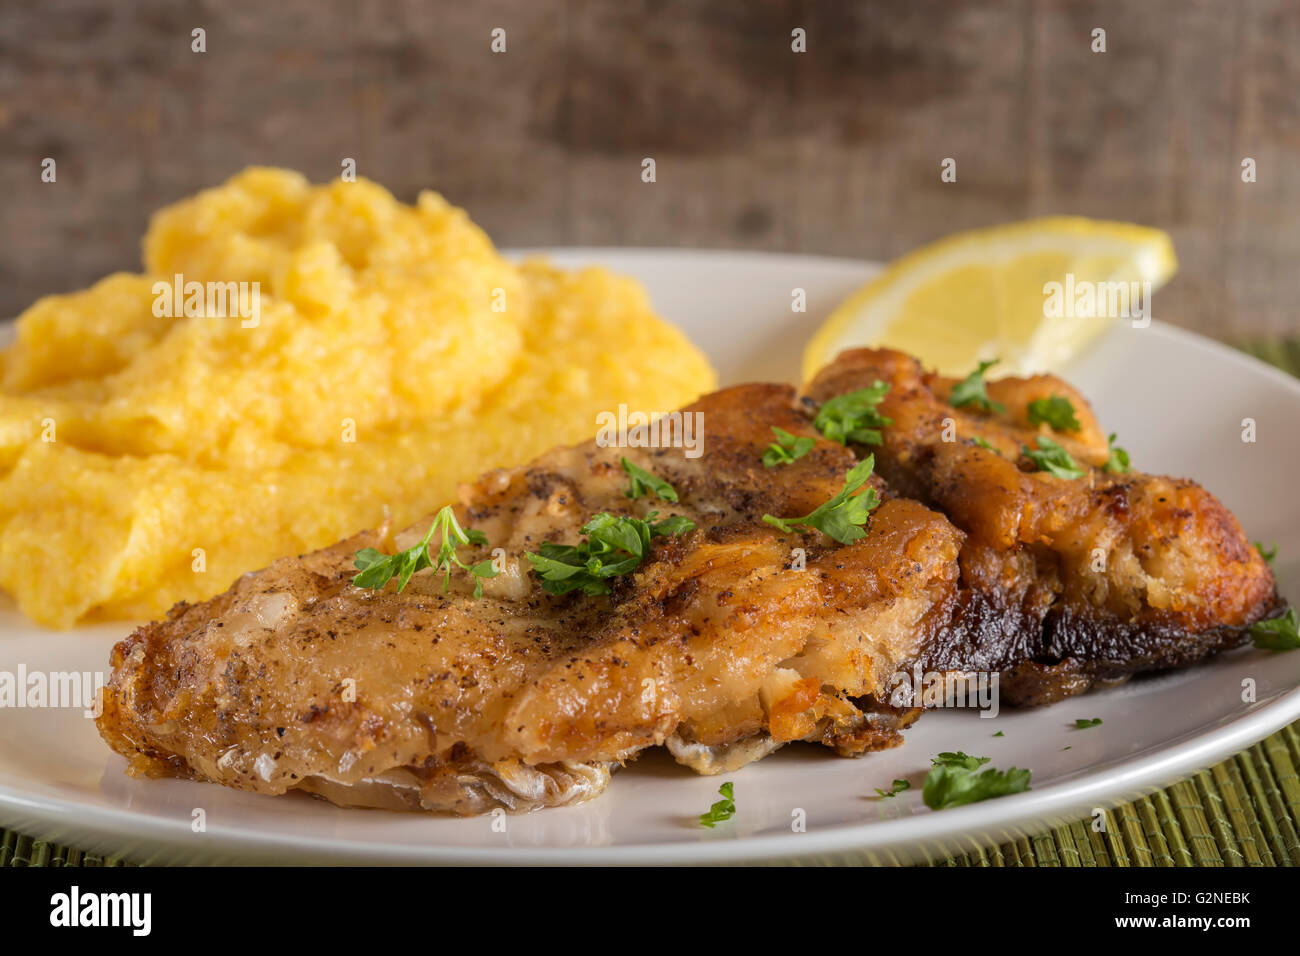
[[787, 448], [615, 545], [853, 417], [640, 482], [958, 758], [898, 787], [843, 516], [723, 809], [1279, 634], [1117, 463], [377, 568], [955, 779], [1051, 457], [972, 390], [1057, 412]]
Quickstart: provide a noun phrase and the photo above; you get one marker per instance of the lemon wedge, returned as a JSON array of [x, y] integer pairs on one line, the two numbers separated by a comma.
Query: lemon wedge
[[989, 293]]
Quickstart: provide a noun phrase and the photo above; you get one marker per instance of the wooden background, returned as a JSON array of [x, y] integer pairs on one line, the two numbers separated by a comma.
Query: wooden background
[[835, 151]]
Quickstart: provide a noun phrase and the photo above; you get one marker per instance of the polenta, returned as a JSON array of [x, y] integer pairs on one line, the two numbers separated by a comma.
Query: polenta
[[148, 457]]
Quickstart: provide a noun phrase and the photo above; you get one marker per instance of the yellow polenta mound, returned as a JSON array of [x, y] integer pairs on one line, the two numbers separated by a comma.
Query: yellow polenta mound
[[146, 459]]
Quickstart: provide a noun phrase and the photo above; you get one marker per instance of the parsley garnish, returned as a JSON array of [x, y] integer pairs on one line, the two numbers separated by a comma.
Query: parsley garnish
[[844, 515], [1279, 634], [958, 758], [1053, 458], [1269, 555], [955, 779], [852, 417], [972, 391], [377, 568], [640, 481], [1117, 463], [787, 448], [723, 810], [614, 546], [983, 443], [1056, 411], [998, 734], [1083, 723], [898, 787]]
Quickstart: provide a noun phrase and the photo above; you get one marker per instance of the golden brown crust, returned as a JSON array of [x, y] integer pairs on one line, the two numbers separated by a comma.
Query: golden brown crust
[[1107, 575], [295, 679]]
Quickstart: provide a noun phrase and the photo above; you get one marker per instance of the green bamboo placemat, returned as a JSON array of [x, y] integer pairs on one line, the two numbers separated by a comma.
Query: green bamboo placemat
[[1242, 812]]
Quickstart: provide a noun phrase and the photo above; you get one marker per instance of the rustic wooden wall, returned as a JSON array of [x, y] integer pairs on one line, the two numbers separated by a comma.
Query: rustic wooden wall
[[833, 151]]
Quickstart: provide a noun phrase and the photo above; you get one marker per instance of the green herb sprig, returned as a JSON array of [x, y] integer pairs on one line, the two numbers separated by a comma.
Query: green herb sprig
[[898, 787], [377, 568], [955, 779], [615, 546], [972, 390], [722, 810], [1057, 412], [1279, 634], [1051, 457], [1083, 723], [853, 417], [1118, 462], [641, 482], [843, 516], [787, 448]]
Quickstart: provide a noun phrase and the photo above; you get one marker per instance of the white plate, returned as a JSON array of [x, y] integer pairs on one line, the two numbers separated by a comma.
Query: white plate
[[1177, 402]]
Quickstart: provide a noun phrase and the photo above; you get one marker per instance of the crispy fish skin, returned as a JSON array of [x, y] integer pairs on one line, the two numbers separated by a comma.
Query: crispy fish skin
[[717, 646], [1177, 579]]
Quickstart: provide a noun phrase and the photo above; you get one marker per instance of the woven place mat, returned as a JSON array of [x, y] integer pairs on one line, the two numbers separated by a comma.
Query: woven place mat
[[1242, 812]]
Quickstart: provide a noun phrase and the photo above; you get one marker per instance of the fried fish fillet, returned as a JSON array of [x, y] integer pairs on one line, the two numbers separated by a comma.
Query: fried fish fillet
[[1064, 582], [725, 643]]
